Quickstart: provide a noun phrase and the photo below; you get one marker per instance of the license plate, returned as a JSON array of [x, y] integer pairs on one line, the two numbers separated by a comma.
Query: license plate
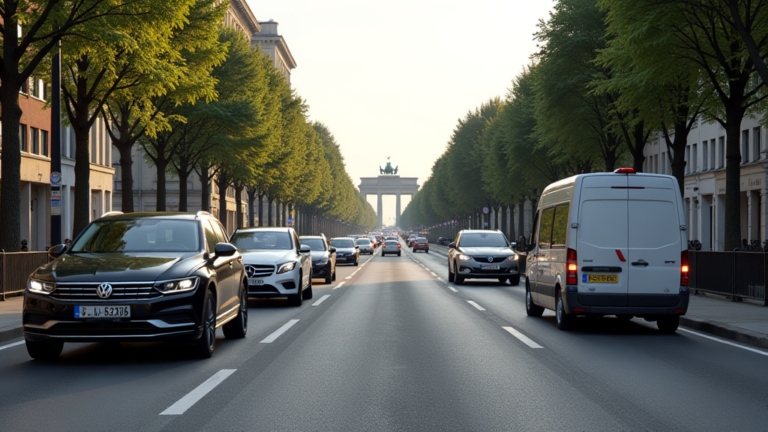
[[254, 281], [490, 267], [102, 311], [603, 279]]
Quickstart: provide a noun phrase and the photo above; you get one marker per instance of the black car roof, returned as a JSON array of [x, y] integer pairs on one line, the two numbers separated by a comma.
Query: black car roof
[[151, 215]]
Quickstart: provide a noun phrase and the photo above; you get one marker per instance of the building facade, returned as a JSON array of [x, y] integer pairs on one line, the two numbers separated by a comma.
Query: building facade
[[704, 189], [272, 43]]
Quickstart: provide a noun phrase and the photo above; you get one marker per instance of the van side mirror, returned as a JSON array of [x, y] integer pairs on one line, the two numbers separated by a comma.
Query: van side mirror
[[452, 245], [521, 245]]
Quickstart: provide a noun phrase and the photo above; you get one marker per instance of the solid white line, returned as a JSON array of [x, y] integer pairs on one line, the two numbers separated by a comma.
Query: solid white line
[[195, 395], [348, 277], [523, 338], [11, 345], [271, 338], [434, 274], [322, 299], [477, 306], [756, 351], [452, 289]]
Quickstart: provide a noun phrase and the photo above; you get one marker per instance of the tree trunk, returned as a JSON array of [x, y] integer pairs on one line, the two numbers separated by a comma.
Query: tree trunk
[[521, 218], [126, 177], [82, 179], [223, 183], [183, 201], [261, 209], [205, 194], [270, 200], [251, 206], [239, 205], [279, 213], [161, 166], [638, 152], [503, 224], [10, 186], [732, 180]]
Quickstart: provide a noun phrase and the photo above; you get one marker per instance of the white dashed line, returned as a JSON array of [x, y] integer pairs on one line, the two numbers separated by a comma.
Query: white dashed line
[[452, 289], [271, 338], [322, 299], [195, 395], [348, 277], [477, 306], [339, 285], [433, 274], [756, 351], [11, 345], [523, 338]]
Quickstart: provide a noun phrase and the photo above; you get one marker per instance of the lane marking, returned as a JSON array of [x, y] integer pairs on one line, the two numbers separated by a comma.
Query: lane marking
[[452, 289], [271, 338], [754, 350], [198, 393], [339, 285], [433, 274], [477, 306], [322, 299], [523, 338], [348, 277], [11, 345]]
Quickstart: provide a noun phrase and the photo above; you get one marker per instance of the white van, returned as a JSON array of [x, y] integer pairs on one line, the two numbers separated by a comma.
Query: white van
[[609, 244]]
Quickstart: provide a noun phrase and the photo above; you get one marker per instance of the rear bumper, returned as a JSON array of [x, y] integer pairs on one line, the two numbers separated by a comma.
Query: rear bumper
[[631, 304]]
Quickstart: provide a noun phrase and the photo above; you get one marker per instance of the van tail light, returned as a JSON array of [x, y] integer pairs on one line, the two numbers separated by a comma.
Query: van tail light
[[571, 276], [684, 269]]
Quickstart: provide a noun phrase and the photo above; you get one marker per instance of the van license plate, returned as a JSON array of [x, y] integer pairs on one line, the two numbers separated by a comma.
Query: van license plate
[[102, 312], [256, 282], [603, 279]]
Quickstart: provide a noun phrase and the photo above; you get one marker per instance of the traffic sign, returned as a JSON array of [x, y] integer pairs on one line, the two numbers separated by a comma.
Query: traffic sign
[[486, 210], [55, 179]]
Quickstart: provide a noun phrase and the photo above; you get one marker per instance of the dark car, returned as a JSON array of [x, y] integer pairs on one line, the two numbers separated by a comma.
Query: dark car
[[420, 244], [138, 277], [346, 250], [482, 254], [323, 257]]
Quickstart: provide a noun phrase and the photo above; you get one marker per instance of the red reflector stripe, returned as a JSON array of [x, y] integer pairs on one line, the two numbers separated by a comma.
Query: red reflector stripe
[[578, 310], [621, 256], [627, 187], [679, 311]]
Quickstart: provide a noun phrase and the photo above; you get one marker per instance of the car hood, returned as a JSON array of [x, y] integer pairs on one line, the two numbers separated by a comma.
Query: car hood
[[119, 267], [345, 250], [268, 256], [318, 255], [495, 251]]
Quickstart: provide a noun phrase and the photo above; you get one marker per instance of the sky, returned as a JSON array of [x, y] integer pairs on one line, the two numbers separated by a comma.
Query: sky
[[392, 78]]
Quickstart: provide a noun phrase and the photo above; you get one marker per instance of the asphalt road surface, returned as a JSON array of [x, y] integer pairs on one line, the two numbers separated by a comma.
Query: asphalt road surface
[[392, 346]]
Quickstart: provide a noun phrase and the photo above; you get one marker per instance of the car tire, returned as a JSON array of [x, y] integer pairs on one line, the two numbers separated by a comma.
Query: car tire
[[296, 299], [564, 321], [398, 254], [514, 280], [531, 309], [503, 280], [238, 327], [205, 345], [668, 323], [458, 280], [307, 293], [333, 279], [451, 275], [328, 275], [44, 350], [426, 251]]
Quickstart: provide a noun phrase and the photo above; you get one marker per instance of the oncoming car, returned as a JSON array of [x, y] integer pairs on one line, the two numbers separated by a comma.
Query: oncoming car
[[482, 254], [346, 250], [276, 263], [364, 245]]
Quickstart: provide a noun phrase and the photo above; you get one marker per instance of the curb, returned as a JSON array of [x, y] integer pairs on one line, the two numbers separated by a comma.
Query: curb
[[6, 335], [726, 331]]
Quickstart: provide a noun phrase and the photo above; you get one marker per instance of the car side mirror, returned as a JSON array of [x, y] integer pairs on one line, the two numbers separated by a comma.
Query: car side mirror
[[357, 247], [521, 245], [305, 249], [332, 250], [224, 249], [452, 245], [57, 251]]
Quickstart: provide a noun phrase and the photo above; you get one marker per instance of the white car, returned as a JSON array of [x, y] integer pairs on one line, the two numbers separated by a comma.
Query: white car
[[276, 263]]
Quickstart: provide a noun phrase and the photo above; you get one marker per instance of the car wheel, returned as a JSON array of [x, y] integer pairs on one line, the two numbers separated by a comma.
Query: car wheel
[[398, 254], [205, 345], [503, 281], [564, 321], [451, 275], [668, 323], [426, 251], [238, 327], [514, 280], [329, 276], [333, 279], [296, 299], [531, 309], [307, 293], [459, 280], [44, 350]]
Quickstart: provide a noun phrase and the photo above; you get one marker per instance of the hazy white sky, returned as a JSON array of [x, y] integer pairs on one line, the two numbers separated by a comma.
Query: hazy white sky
[[391, 78]]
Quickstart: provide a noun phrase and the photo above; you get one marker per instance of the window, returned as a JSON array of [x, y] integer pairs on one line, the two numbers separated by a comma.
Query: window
[[35, 140], [712, 154], [139, 235], [721, 152], [44, 145], [35, 88], [687, 159], [560, 226], [23, 138], [545, 232], [694, 159], [704, 156], [25, 87], [663, 162], [757, 144], [656, 164], [744, 146], [210, 237], [532, 239]]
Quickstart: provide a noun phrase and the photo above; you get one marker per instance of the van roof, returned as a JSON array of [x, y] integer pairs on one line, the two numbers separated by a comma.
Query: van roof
[[570, 181]]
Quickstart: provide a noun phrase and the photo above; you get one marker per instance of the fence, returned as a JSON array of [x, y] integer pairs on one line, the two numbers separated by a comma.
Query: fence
[[735, 274], [15, 268]]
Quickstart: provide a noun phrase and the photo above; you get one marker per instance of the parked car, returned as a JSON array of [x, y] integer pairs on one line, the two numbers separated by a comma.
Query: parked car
[[420, 244], [391, 247], [276, 263], [138, 277], [482, 254], [609, 244], [364, 245], [346, 250], [323, 257]]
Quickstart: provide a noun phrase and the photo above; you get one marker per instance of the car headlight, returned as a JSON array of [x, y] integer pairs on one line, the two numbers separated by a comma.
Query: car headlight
[[464, 257], [284, 268], [177, 286], [514, 257], [39, 287], [321, 262]]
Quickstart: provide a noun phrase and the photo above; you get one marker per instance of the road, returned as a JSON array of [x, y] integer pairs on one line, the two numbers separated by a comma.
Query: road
[[394, 347]]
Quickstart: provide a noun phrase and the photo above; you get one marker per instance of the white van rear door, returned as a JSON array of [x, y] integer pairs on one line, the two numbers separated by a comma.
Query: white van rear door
[[602, 232], [655, 241]]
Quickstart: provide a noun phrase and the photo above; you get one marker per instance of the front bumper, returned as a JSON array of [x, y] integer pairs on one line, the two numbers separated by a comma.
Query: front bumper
[[474, 271], [632, 304], [166, 318], [276, 285], [346, 259]]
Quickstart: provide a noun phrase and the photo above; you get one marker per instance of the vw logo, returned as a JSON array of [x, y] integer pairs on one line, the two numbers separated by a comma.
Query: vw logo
[[104, 290], [490, 259]]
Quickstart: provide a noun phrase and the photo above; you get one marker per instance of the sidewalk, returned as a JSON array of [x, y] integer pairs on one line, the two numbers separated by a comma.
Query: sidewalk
[[744, 322], [10, 318]]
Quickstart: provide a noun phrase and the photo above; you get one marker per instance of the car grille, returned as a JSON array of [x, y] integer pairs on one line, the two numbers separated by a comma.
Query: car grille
[[120, 291], [484, 259], [258, 270]]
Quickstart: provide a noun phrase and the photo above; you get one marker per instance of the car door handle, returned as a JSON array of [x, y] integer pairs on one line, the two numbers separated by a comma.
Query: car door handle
[[640, 263]]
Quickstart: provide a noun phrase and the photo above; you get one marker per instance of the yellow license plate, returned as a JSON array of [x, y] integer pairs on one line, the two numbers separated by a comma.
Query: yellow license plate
[[603, 279]]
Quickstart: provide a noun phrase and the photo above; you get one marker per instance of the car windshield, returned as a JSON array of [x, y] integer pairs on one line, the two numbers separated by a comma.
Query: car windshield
[[362, 242], [314, 244], [262, 240], [139, 235], [483, 240], [342, 243]]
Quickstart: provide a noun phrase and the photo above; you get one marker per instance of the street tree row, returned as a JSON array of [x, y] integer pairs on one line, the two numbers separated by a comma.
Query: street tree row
[[607, 77]]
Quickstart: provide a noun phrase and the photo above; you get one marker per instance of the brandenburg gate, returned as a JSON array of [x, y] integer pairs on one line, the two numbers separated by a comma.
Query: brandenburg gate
[[388, 183]]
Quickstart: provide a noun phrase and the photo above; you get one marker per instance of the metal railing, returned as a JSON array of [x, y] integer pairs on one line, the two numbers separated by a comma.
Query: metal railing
[[15, 268], [737, 274]]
